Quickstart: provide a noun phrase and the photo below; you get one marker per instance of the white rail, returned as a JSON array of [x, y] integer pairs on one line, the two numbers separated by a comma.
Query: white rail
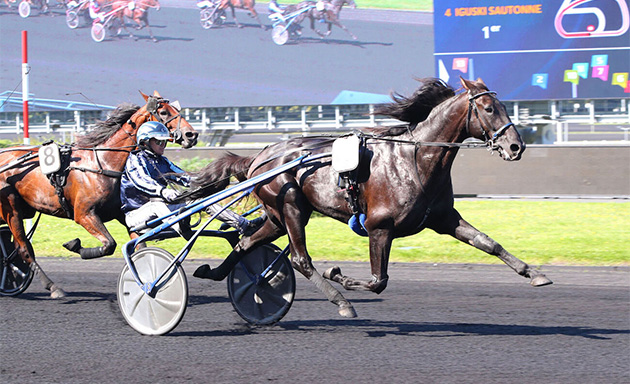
[[218, 126]]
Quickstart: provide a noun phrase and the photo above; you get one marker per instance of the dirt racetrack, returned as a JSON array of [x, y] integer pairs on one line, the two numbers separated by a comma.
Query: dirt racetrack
[[433, 324]]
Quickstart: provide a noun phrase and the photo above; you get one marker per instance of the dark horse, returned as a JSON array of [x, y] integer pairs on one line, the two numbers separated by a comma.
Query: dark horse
[[328, 11], [242, 4], [403, 183], [90, 193]]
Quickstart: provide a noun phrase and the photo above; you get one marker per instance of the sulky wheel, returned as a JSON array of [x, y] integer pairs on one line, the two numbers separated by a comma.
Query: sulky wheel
[[153, 315], [24, 9], [16, 275], [262, 286], [205, 17], [98, 32], [72, 19], [279, 34], [218, 17]]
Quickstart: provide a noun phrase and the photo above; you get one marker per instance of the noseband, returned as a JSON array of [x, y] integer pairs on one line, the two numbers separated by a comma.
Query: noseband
[[472, 106]]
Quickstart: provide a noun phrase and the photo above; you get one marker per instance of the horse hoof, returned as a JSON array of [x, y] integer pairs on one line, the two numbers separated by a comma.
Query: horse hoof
[[57, 293], [540, 281], [332, 272], [73, 245], [347, 311]]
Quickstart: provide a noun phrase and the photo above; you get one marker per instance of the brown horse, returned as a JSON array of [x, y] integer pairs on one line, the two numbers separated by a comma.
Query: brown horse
[[402, 184], [87, 186], [325, 10], [242, 4], [138, 11]]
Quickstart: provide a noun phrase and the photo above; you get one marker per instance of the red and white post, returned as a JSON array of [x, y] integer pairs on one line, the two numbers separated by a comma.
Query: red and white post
[[25, 71]]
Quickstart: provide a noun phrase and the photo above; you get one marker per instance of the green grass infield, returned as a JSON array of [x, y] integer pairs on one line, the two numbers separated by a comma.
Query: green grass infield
[[537, 232]]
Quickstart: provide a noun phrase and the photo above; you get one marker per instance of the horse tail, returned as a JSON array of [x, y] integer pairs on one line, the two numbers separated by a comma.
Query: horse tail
[[215, 176]]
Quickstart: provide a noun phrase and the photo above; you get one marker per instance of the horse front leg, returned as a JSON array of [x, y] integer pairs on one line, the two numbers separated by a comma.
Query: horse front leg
[[463, 231], [150, 32], [93, 224], [143, 21], [337, 23], [380, 247], [234, 17]]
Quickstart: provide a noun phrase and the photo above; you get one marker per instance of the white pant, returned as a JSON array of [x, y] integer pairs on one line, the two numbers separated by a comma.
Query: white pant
[[154, 209], [149, 211]]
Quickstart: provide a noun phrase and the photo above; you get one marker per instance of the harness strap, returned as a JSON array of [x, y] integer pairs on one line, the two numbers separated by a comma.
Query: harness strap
[[104, 172]]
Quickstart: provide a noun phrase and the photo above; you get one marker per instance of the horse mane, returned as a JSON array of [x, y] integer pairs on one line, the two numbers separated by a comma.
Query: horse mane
[[103, 130], [413, 109]]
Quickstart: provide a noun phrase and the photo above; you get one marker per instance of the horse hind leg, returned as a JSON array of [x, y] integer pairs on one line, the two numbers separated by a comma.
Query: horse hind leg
[[55, 291], [302, 262], [333, 295], [25, 251], [254, 15]]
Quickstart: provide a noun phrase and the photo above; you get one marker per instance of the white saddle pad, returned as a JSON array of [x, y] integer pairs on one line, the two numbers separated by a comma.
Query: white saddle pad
[[345, 153]]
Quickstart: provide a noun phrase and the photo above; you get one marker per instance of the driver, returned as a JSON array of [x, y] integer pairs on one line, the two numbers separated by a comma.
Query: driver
[[144, 189], [275, 8]]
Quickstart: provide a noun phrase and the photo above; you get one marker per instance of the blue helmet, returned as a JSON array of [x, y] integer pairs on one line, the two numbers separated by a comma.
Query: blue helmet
[[152, 129]]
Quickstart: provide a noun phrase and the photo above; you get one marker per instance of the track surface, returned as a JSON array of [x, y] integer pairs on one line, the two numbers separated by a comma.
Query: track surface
[[433, 324], [226, 66]]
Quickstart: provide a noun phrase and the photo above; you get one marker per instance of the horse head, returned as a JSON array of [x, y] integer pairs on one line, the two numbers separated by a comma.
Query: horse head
[[162, 110], [489, 121]]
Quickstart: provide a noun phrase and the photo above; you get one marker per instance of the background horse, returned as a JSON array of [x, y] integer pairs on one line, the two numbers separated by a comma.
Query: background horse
[[323, 10], [87, 186], [138, 12], [242, 4], [402, 184]]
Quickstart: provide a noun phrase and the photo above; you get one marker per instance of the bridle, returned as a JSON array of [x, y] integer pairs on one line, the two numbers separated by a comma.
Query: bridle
[[154, 104], [473, 107]]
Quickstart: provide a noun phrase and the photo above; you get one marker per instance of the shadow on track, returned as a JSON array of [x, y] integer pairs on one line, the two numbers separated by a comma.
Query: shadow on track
[[328, 41], [384, 328], [395, 328]]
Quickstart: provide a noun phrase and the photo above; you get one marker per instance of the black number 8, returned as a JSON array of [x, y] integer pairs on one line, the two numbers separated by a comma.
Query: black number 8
[[49, 156]]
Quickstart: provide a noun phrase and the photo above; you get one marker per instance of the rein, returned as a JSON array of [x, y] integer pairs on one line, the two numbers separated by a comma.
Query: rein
[[100, 170]]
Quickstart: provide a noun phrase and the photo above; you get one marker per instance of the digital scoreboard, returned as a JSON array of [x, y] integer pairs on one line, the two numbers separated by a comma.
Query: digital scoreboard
[[534, 49]]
